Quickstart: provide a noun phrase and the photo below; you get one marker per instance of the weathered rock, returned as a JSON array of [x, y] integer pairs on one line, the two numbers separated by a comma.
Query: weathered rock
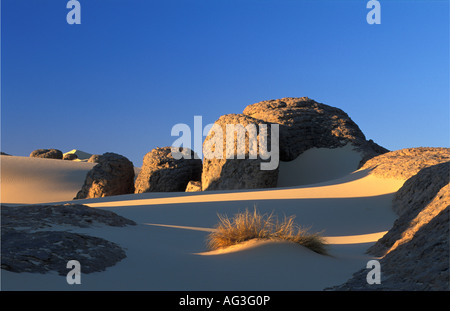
[[194, 186], [27, 248], [233, 173], [51, 250], [415, 252], [47, 153], [413, 203], [405, 163], [35, 217], [305, 123], [161, 172], [113, 175], [70, 156], [95, 158]]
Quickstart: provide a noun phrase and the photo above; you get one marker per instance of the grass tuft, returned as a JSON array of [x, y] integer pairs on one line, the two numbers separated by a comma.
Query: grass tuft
[[253, 225]]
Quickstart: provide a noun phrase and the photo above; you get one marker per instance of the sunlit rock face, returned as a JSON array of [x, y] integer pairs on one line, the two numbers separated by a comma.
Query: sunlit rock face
[[225, 170], [47, 153], [302, 124], [113, 175], [305, 123], [161, 172]]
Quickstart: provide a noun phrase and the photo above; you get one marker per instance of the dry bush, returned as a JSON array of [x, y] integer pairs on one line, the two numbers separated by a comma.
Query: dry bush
[[253, 225]]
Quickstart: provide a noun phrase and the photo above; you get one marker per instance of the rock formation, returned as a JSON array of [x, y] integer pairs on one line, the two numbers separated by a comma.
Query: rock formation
[[415, 251], [405, 163], [194, 186], [47, 153], [113, 175], [161, 172], [70, 156], [303, 124], [30, 244], [222, 171], [95, 158]]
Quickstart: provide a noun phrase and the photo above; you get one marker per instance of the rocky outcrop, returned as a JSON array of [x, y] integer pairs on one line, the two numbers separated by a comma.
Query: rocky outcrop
[[38, 217], [95, 158], [305, 123], [47, 153], [405, 163], [222, 171], [32, 243], [194, 186], [113, 175], [419, 200], [415, 251], [70, 156], [161, 172]]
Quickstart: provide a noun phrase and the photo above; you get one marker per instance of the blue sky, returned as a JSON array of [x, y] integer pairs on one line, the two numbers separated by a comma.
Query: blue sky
[[132, 69]]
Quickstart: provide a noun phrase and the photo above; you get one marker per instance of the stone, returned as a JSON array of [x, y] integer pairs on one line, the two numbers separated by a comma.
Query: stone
[[113, 175], [95, 158], [32, 242], [161, 172], [414, 254], [70, 156], [47, 153], [194, 186], [305, 123], [220, 173], [405, 163]]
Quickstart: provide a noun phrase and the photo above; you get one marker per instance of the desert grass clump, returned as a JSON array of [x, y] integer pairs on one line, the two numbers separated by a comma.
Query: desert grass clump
[[248, 225]]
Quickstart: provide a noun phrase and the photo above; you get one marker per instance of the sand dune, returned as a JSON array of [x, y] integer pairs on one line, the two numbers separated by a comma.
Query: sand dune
[[167, 249], [36, 180]]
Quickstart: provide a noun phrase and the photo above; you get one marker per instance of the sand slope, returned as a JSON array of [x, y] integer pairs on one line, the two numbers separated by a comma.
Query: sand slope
[[37, 180], [167, 250]]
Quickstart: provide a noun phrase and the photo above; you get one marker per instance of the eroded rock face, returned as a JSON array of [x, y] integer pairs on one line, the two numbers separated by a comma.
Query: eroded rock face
[[194, 186], [32, 243], [418, 201], [95, 158], [47, 153], [226, 171], [405, 163], [161, 172], [70, 157], [302, 123], [415, 251], [305, 123], [113, 175]]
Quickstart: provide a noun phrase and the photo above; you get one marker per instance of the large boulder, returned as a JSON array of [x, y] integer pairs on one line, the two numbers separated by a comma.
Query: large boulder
[[194, 186], [113, 175], [161, 172], [95, 158], [237, 169], [70, 156], [305, 123], [47, 153], [302, 124]]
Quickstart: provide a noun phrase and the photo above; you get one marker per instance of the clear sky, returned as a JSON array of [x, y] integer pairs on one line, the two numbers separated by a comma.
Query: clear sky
[[132, 69]]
